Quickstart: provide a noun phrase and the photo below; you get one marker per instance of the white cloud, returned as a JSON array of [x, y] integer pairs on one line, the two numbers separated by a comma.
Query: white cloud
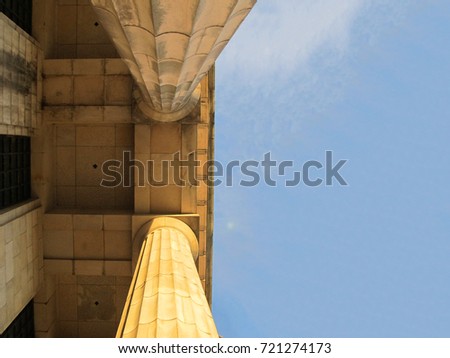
[[290, 61], [279, 36]]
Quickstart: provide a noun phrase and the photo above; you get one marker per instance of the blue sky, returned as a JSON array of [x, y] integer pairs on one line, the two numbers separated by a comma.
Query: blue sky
[[369, 80]]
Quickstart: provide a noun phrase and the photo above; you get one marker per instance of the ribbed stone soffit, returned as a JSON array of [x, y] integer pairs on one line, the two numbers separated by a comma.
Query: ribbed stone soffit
[[166, 297], [170, 45]]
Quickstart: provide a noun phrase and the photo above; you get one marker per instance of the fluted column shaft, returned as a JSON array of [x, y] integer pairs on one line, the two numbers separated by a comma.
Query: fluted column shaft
[[166, 297]]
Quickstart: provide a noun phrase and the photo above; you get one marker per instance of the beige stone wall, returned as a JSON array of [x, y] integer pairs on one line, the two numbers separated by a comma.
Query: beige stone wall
[[87, 244], [80, 305], [87, 261], [44, 25], [45, 309], [90, 306], [80, 152], [79, 33], [86, 82], [87, 114], [87, 272], [70, 29], [21, 264], [42, 159], [89, 230], [21, 246], [20, 74]]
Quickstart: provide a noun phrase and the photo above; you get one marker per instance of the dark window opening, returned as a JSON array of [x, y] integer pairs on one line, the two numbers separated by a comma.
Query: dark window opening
[[23, 324], [15, 170], [18, 11]]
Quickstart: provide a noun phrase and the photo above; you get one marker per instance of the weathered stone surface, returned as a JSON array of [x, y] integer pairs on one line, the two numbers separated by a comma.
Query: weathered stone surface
[[166, 298], [169, 46]]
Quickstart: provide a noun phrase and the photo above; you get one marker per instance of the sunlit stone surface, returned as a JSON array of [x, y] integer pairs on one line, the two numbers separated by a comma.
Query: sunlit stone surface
[[169, 46], [166, 298]]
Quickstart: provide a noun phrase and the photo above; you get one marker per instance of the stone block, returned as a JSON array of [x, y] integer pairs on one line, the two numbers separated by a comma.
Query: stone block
[[88, 66], [47, 290], [118, 90], [93, 136], [96, 329], [56, 267], [67, 25], [142, 139], [165, 200], [57, 67], [45, 315], [67, 329], [65, 196], [117, 222], [96, 280], [65, 168], [117, 114], [142, 200], [89, 267], [96, 51], [58, 90], [118, 245], [89, 161], [58, 244], [88, 222], [88, 114], [89, 30], [124, 135], [115, 66], [121, 297], [88, 245], [88, 90], [9, 261], [58, 222], [165, 138], [118, 268], [67, 279], [65, 135], [67, 302], [67, 51], [94, 197], [202, 266], [202, 137], [123, 281], [124, 198]]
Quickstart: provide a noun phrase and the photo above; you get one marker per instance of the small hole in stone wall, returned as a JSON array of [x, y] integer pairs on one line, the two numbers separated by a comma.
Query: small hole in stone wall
[[96, 23], [95, 166], [96, 303]]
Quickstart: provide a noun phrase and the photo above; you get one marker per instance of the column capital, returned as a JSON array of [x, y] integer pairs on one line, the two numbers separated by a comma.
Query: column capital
[[169, 46], [164, 222], [151, 113]]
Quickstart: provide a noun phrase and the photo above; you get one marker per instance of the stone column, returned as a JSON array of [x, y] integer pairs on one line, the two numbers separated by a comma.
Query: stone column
[[166, 297], [169, 46]]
